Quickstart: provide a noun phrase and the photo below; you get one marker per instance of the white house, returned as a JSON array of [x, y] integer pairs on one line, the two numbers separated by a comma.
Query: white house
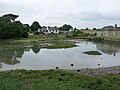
[[48, 30]]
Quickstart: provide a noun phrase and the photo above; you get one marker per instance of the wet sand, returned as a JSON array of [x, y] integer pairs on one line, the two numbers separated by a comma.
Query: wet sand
[[98, 71]]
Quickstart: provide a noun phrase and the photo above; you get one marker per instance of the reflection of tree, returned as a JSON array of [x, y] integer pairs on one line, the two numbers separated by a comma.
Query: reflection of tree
[[12, 61], [36, 49], [109, 48], [9, 55], [0, 65]]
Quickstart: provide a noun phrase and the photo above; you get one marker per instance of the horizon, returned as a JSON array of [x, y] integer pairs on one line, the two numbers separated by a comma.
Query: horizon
[[78, 13]]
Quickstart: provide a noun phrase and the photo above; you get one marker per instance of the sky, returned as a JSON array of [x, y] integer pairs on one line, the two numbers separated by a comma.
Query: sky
[[78, 13]]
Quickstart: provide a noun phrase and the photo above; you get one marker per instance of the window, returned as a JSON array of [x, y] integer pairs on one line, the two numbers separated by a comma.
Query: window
[[101, 34]]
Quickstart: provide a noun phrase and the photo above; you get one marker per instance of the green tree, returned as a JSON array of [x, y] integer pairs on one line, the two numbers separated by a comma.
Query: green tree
[[66, 27], [26, 27], [35, 26], [94, 29], [11, 29], [10, 16]]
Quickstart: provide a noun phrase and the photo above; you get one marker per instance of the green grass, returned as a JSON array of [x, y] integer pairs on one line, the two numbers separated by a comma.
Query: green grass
[[56, 80], [92, 53], [60, 44], [57, 41], [39, 38]]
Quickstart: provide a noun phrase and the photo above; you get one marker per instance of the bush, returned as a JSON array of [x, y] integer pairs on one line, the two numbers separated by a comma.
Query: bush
[[69, 36]]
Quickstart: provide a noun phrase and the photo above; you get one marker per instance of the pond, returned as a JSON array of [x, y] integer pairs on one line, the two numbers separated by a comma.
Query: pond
[[36, 58]]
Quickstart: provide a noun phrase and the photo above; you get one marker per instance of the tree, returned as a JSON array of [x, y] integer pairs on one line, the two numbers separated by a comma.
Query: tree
[[66, 27], [9, 29], [26, 27], [35, 26], [94, 29], [10, 16], [87, 28]]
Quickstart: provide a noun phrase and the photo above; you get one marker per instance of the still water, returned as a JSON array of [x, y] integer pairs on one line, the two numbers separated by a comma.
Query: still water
[[35, 58]]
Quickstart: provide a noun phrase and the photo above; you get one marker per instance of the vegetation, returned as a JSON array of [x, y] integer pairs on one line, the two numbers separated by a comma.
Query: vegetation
[[56, 80], [77, 34], [65, 27], [35, 26], [93, 53], [61, 44], [99, 39], [9, 28], [54, 41]]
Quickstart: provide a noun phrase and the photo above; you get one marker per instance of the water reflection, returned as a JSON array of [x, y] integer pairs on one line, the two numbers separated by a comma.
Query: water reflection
[[34, 57], [36, 49], [108, 48], [10, 55]]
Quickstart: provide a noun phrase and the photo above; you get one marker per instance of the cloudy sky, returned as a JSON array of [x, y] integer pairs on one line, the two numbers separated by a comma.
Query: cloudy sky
[[79, 13]]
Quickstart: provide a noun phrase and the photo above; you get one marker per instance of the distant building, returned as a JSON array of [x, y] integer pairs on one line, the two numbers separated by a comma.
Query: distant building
[[48, 30], [109, 32]]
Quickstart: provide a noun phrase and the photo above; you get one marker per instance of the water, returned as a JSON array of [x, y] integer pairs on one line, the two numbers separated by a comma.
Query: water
[[35, 58]]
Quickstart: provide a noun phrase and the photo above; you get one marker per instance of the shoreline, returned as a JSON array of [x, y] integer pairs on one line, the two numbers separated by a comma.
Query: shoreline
[[103, 71], [97, 71]]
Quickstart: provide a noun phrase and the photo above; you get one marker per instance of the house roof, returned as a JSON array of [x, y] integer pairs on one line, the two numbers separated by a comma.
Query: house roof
[[53, 28], [109, 28]]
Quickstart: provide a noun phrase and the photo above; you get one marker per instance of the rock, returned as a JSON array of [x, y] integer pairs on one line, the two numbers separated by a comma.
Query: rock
[[78, 70], [57, 67], [72, 65]]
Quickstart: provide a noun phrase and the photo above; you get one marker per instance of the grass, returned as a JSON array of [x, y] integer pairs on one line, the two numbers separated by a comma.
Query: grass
[[92, 53], [57, 46], [39, 38], [56, 80], [60, 44], [57, 41]]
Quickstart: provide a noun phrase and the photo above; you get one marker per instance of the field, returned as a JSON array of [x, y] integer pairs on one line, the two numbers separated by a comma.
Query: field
[[56, 80]]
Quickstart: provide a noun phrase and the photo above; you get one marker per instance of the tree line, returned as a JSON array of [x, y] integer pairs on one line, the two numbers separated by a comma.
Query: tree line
[[11, 29]]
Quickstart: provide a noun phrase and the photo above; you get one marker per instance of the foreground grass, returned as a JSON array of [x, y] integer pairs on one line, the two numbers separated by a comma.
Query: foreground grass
[[56, 80]]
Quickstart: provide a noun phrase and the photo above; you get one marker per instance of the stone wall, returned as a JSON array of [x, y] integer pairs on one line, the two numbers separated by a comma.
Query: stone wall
[[109, 34]]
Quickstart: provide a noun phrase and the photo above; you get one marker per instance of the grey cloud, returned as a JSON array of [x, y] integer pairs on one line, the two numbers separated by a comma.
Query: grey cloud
[[79, 13]]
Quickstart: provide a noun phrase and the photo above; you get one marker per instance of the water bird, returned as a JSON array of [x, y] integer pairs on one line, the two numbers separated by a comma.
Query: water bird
[[72, 65], [78, 70], [57, 67]]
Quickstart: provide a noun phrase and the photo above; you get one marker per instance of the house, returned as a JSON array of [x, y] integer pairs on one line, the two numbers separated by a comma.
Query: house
[[109, 32], [48, 30]]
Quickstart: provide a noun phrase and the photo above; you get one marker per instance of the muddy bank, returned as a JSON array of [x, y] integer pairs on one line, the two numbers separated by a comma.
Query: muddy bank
[[98, 71]]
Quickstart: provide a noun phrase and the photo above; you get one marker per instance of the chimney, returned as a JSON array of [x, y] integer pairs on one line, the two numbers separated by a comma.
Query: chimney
[[115, 25]]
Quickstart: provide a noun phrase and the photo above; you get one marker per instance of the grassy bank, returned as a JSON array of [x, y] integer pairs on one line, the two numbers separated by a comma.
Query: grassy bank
[[92, 53], [39, 38], [55, 80], [57, 44], [56, 41]]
